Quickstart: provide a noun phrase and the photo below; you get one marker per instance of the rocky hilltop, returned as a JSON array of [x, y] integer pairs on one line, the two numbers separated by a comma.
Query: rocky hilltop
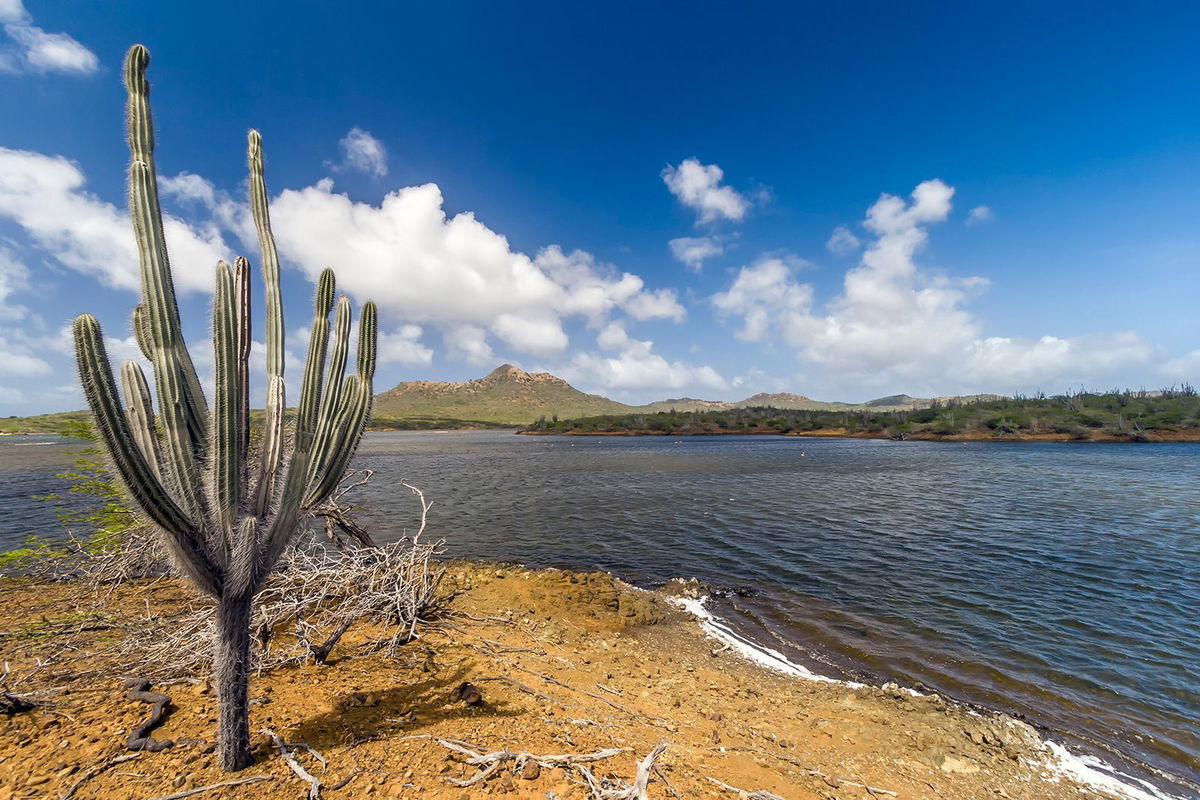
[[506, 394], [510, 395]]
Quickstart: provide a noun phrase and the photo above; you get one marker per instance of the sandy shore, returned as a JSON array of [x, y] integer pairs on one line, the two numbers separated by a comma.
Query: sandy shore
[[567, 663]]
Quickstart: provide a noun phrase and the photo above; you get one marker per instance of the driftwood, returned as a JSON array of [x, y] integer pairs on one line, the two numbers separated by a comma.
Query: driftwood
[[140, 739]]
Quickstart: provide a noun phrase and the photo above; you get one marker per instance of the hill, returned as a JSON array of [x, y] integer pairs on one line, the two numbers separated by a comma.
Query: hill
[[506, 395], [509, 396]]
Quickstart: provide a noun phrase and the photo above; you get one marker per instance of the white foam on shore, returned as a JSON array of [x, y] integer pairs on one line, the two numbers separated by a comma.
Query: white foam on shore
[[716, 628], [1059, 763], [1091, 771]]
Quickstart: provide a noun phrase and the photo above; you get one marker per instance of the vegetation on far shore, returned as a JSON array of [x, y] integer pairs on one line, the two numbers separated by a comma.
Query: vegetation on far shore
[[1137, 416], [63, 423]]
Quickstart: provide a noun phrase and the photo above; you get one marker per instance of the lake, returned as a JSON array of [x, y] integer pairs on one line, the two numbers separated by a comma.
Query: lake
[[1059, 582]]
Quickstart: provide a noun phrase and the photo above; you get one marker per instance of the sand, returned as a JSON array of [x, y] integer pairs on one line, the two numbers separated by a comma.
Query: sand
[[566, 663]]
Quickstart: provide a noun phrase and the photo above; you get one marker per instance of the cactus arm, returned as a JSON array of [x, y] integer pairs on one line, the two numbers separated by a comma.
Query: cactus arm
[[141, 331], [368, 338], [310, 392], [287, 521], [272, 446], [272, 452], [226, 455], [183, 537], [331, 401], [158, 289], [244, 557], [140, 413], [241, 289], [352, 418]]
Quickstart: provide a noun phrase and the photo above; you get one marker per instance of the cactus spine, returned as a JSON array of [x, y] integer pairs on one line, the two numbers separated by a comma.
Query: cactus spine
[[189, 471]]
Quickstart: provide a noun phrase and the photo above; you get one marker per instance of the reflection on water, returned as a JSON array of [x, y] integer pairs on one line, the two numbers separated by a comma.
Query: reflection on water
[[1058, 580]]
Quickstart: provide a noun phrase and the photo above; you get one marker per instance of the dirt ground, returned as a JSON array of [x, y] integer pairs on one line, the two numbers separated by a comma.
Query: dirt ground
[[567, 664]]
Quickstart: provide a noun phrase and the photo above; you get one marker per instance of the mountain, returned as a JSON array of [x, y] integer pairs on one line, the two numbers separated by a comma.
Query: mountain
[[506, 394], [512, 396]]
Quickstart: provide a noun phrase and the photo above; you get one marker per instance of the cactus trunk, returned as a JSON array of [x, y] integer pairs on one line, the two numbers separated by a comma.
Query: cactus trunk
[[231, 676], [187, 469]]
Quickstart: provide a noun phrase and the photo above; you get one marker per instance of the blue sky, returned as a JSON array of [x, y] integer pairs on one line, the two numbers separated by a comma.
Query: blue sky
[[650, 200]]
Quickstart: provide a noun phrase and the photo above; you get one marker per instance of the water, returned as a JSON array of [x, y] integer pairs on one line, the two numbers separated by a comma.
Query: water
[[1060, 582]]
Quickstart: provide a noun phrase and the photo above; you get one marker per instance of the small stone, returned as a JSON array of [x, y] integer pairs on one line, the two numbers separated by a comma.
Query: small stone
[[831, 781], [38, 780], [716, 736], [531, 771], [958, 766]]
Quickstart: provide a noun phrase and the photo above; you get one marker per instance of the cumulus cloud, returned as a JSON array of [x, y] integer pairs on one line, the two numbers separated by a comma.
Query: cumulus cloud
[[14, 277], [403, 346], [842, 241], [31, 49], [698, 186], [362, 152], [979, 215], [634, 366], [46, 197], [17, 362], [693, 251], [425, 267], [896, 324]]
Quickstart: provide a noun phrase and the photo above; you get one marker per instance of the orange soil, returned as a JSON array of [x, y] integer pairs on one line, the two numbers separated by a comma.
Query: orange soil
[[567, 663]]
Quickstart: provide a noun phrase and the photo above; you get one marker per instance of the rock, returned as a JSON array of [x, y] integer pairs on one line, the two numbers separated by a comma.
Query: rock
[[958, 766], [531, 771], [468, 693]]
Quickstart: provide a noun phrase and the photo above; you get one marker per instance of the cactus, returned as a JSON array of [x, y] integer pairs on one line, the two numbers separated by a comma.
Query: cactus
[[225, 516]]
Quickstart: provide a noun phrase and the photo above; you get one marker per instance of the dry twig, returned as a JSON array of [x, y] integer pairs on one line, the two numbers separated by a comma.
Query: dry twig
[[96, 770], [210, 787]]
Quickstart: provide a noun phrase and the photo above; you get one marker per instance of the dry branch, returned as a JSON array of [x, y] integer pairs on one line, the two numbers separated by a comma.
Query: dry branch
[[212, 786], [285, 750]]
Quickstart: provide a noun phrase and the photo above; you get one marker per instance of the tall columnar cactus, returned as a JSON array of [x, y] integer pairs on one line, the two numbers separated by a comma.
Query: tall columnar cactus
[[225, 513]]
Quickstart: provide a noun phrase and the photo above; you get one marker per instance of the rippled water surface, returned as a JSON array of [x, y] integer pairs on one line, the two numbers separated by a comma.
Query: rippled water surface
[[1058, 581]]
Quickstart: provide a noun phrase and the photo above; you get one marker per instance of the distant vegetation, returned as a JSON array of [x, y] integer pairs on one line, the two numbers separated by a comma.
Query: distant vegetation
[[1121, 415], [59, 423], [65, 423]]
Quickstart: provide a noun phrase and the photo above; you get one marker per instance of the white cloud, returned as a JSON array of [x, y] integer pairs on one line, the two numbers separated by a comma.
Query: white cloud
[[14, 277], [660, 304], [364, 153], [454, 272], [763, 294], [468, 342], [635, 366], [980, 214], [842, 241], [17, 362], [403, 346], [698, 186], [34, 50], [45, 196], [693, 251], [895, 324]]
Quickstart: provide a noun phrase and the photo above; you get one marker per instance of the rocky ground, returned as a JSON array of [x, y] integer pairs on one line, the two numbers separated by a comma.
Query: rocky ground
[[571, 673]]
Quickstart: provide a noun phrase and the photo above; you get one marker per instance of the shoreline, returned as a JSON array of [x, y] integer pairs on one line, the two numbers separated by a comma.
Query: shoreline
[[1160, 436], [556, 652]]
